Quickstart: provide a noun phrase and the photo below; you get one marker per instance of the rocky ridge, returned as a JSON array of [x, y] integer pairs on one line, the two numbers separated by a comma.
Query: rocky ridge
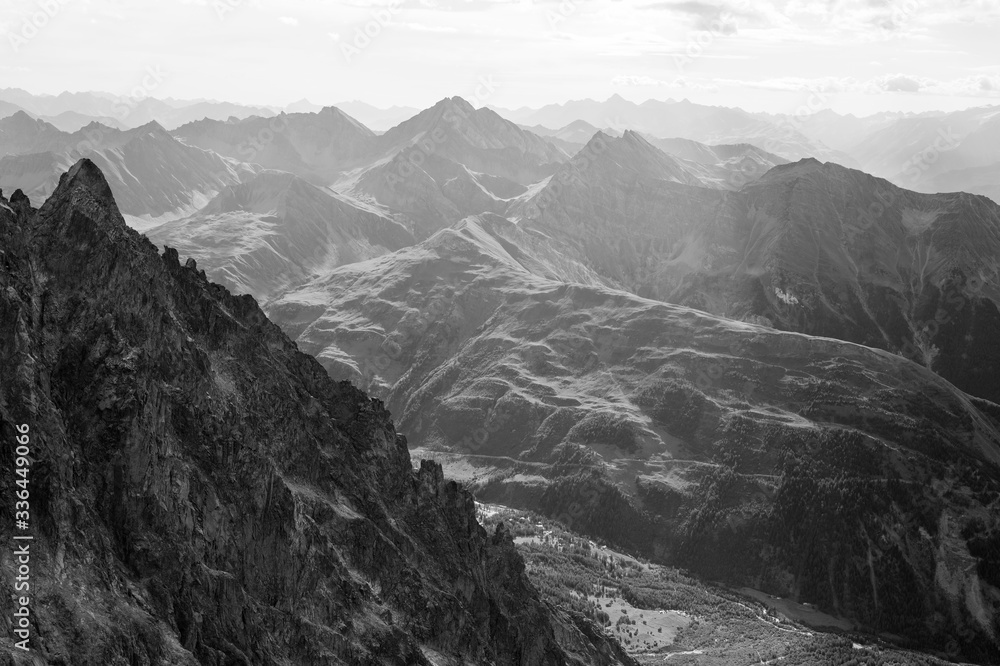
[[203, 493]]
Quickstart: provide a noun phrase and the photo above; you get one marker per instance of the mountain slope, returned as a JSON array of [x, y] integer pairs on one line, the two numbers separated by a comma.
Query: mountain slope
[[154, 177], [275, 230], [378, 119], [829, 472], [315, 146], [477, 138], [203, 493], [8, 109], [21, 134], [935, 153], [450, 161], [71, 121], [731, 166], [808, 247]]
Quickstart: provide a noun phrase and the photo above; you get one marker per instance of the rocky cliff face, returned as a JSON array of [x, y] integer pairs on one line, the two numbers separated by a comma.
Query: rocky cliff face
[[203, 493]]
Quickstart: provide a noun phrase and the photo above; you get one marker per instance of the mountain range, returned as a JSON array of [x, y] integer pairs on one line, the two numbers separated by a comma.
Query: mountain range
[[813, 468], [129, 111], [154, 176], [671, 119], [755, 346], [808, 247]]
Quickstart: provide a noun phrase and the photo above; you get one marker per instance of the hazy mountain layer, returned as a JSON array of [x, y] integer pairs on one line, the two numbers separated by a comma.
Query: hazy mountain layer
[[154, 177], [315, 146], [950, 152], [130, 111], [671, 119], [378, 119]]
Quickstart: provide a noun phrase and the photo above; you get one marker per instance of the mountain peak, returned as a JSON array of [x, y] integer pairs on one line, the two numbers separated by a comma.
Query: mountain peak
[[805, 166], [85, 182], [86, 173], [599, 137], [152, 127], [579, 125], [22, 120], [456, 102]]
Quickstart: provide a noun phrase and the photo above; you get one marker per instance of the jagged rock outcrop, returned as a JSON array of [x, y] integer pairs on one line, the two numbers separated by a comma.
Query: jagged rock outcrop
[[203, 493]]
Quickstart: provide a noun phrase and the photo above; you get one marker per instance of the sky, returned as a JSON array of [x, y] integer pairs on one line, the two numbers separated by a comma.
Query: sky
[[863, 55]]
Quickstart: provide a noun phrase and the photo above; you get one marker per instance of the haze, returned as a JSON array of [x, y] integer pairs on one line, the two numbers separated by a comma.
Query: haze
[[866, 56]]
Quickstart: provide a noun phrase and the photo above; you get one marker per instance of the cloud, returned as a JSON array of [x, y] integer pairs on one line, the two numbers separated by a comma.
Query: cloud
[[901, 84], [723, 17], [679, 83], [288, 20], [423, 27], [981, 85], [701, 8], [635, 80]]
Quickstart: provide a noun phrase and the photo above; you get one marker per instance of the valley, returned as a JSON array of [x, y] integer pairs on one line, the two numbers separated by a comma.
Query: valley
[[664, 615]]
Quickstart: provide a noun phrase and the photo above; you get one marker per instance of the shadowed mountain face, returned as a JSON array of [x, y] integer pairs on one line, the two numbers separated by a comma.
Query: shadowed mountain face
[[275, 230], [813, 468], [153, 176], [809, 247], [204, 493]]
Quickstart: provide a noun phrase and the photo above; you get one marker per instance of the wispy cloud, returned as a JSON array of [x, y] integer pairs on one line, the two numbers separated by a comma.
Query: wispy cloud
[[288, 20], [982, 85], [423, 27], [679, 83]]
